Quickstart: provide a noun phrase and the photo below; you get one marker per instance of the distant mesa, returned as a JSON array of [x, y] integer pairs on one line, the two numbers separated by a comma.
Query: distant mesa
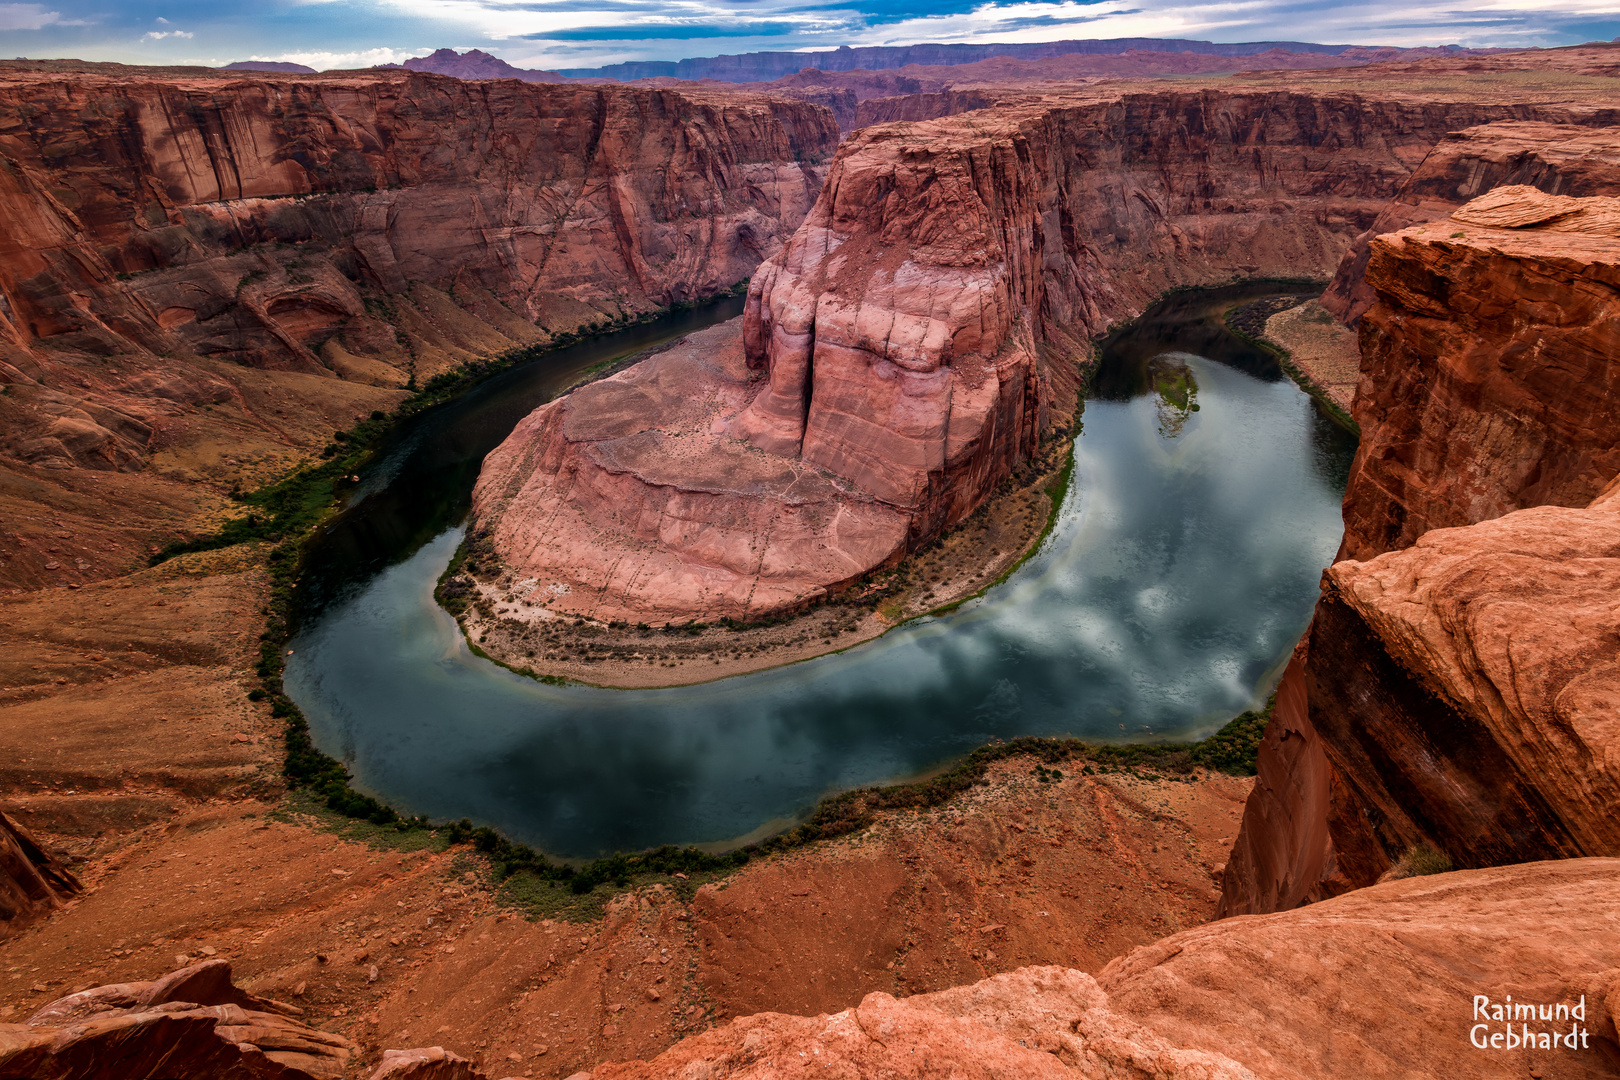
[[269, 65], [477, 64], [768, 66]]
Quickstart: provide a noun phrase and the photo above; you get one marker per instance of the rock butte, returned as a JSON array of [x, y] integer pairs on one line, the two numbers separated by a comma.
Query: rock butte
[[908, 335]]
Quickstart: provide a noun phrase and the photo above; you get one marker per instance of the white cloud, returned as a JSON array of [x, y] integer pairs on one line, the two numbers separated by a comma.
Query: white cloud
[[504, 19], [159, 35], [360, 58], [28, 17], [162, 20]]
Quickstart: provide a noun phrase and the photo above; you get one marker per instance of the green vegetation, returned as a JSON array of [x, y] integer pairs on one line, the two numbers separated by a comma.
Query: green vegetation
[[1177, 390]]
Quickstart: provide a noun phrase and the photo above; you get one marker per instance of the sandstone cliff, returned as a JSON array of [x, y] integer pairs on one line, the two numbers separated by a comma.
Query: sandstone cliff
[[1570, 159], [255, 220], [1458, 682], [908, 331], [632, 499], [1488, 369], [201, 279]]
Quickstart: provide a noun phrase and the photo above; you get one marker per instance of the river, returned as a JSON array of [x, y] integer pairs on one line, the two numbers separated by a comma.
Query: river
[[1182, 568]]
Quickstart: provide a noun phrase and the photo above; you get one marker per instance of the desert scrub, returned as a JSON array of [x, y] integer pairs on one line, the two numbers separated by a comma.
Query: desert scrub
[[1419, 860]]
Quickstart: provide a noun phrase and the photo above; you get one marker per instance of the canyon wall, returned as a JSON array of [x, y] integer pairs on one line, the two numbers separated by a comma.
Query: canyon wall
[[1561, 158], [939, 253], [1489, 380], [248, 220], [162, 237], [1458, 682]]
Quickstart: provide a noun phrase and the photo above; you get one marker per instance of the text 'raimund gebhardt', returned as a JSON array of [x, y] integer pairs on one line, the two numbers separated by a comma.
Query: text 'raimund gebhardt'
[[1509, 1025]]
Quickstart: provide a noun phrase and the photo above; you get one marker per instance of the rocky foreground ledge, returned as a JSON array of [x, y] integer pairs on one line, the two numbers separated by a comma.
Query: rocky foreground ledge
[[1406, 978]]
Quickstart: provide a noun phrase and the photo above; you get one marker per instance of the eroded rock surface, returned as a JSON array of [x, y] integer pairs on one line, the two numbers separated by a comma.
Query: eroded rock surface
[[126, 214], [1034, 1022], [1489, 380], [1458, 684], [1568, 158], [32, 881], [1381, 983], [631, 498], [190, 1023]]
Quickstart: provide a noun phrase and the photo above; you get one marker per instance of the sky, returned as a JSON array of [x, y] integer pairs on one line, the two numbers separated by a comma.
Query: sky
[[579, 33]]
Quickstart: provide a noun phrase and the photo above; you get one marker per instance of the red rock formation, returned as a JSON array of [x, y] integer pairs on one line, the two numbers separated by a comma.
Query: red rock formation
[[142, 217], [191, 1023], [1282, 854], [1559, 158], [1465, 690], [1378, 984], [905, 329], [1488, 379], [1042, 1022], [427, 1063], [32, 882], [1381, 983], [630, 499], [939, 255]]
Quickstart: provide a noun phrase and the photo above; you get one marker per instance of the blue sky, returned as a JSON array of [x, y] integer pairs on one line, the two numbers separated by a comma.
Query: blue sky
[[577, 33]]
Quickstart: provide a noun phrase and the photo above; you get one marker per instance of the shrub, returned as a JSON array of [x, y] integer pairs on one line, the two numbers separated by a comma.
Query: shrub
[[1420, 860]]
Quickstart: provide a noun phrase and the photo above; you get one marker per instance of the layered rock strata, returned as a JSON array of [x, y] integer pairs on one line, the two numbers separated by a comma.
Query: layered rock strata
[[192, 1022], [633, 499], [904, 332], [142, 216], [1458, 684], [1489, 380]]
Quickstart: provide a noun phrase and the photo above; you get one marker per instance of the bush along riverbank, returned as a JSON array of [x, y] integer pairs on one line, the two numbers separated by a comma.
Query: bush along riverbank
[[1248, 322], [287, 513]]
